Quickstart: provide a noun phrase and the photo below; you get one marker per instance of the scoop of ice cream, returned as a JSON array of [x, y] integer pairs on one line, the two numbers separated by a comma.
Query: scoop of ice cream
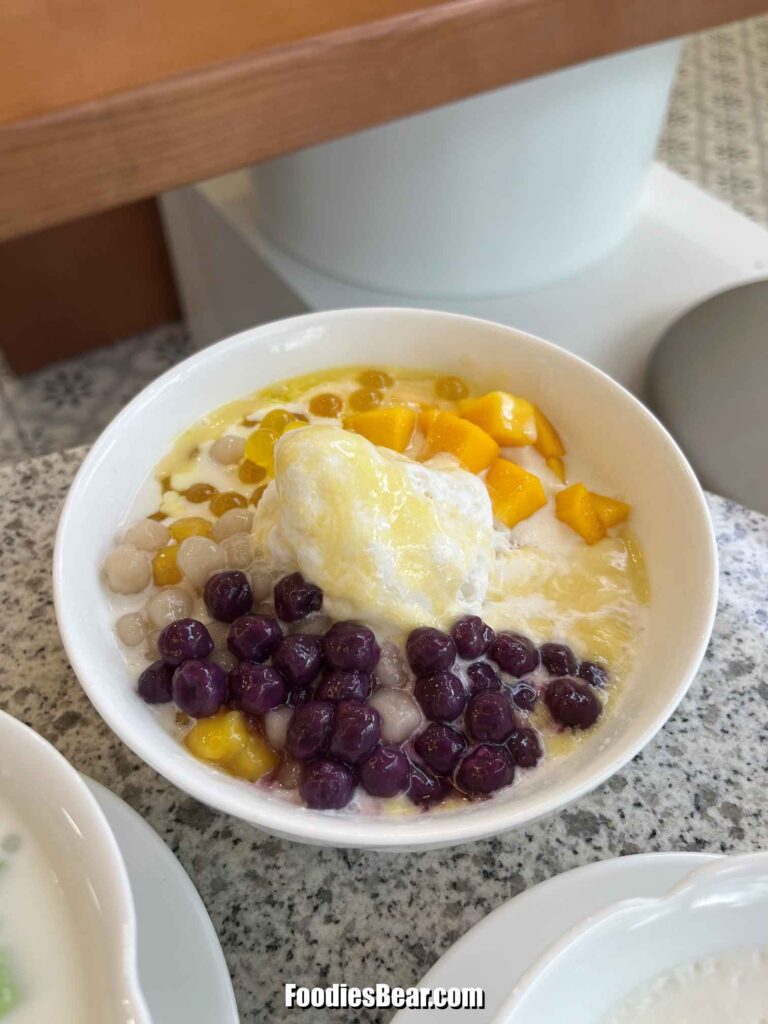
[[391, 541]]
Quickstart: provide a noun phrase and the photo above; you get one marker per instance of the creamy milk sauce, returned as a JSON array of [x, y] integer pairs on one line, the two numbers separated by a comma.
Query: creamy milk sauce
[[731, 988], [38, 941]]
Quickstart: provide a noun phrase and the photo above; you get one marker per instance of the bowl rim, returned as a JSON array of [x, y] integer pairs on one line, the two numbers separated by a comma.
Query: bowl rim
[[123, 934], [331, 828], [696, 886]]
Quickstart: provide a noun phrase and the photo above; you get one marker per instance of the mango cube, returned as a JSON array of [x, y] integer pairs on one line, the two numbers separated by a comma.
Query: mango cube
[[515, 493], [474, 449], [574, 507], [509, 420], [548, 441], [224, 739], [390, 427], [426, 418], [611, 511], [557, 466]]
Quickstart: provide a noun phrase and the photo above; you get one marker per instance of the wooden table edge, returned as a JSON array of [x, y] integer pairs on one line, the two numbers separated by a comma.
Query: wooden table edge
[[208, 121]]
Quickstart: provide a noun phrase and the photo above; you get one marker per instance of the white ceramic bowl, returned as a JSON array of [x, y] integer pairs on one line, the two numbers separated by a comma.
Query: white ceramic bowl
[[59, 810], [718, 909], [622, 439]]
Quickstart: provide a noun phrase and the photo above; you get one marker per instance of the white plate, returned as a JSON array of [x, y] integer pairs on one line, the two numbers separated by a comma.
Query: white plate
[[182, 970], [499, 949]]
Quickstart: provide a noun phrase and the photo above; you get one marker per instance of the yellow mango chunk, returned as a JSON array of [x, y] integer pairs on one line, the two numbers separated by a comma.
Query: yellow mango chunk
[[426, 418], [611, 511], [474, 449], [548, 441], [515, 493], [509, 420], [557, 466], [224, 739], [390, 427], [574, 507], [190, 526], [165, 572]]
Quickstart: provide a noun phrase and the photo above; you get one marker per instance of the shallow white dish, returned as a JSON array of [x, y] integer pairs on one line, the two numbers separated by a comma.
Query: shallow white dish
[[622, 439], [503, 946], [717, 909], [65, 821], [182, 970]]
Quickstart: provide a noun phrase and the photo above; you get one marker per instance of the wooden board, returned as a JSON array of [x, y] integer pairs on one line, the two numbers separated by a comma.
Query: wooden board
[[102, 102]]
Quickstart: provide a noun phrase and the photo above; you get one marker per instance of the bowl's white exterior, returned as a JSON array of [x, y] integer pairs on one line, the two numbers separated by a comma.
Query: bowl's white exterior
[[75, 835], [624, 441], [718, 908]]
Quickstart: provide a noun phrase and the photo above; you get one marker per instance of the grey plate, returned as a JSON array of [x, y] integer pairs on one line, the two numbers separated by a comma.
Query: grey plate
[[708, 383]]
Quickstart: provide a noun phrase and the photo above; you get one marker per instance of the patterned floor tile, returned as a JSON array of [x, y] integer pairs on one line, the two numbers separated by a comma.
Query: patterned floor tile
[[70, 402]]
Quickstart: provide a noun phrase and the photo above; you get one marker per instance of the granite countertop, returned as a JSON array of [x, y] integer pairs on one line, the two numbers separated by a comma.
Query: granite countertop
[[286, 912]]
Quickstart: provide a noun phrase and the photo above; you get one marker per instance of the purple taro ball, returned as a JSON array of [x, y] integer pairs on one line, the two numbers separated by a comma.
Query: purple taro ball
[[385, 772], [485, 770], [489, 717], [429, 650], [573, 703], [183, 640], [295, 598], [256, 689], [337, 685], [441, 696], [514, 653], [525, 747], [298, 658], [440, 747], [558, 659], [228, 595], [593, 674], [472, 636], [199, 688], [356, 731], [349, 646], [309, 730], [254, 637], [482, 677], [154, 684], [326, 785]]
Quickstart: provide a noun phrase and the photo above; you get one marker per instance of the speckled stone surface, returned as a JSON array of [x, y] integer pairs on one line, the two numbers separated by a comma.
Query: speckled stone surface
[[286, 912]]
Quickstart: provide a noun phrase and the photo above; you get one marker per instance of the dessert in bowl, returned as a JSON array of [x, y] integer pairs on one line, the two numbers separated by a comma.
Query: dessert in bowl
[[67, 928], [699, 954], [391, 604]]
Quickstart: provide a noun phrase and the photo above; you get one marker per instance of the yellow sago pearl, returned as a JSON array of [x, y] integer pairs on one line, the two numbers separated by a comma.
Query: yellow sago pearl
[[165, 572], [257, 494], [221, 503], [190, 526], [260, 448], [277, 419], [249, 473], [325, 405], [364, 399], [451, 388], [375, 379], [199, 493]]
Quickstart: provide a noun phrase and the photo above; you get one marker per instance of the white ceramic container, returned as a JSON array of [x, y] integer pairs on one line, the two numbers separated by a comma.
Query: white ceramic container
[[57, 809], [495, 194], [623, 441], [718, 909]]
